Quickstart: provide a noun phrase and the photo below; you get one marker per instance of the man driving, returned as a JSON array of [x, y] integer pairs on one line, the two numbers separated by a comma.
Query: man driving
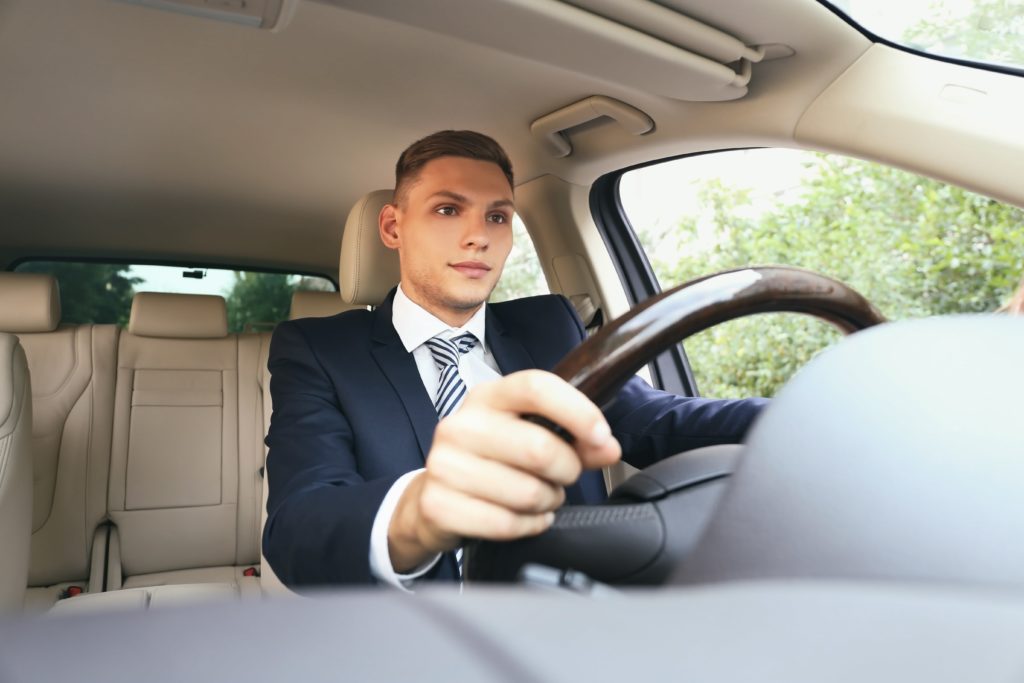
[[397, 433]]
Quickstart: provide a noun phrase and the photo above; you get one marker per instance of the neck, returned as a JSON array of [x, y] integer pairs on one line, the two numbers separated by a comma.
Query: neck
[[453, 317]]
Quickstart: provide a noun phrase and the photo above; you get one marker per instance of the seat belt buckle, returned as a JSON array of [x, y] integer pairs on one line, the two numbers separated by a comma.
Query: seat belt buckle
[[70, 592], [251, 571]]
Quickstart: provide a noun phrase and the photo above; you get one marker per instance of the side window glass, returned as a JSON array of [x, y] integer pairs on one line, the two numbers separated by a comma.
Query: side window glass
[[102, 292], [522, 275], [912, 245]]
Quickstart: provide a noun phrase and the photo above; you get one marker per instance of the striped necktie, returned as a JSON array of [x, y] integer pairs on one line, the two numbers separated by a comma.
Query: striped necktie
[[451, 389]]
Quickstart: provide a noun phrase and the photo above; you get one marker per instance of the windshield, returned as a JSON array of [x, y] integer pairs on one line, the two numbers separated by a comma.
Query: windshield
[[989, 31]]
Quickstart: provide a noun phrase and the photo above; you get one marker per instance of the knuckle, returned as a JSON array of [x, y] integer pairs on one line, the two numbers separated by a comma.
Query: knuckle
[[534, 382], [432, 505], [453, 429], [428, 498], [537, 495], [538, 454], [507, 525], [574, 467], [440, 462]]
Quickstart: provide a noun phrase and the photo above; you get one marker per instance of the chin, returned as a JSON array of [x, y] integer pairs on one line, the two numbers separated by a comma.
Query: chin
[[465, 303], [466, 300]]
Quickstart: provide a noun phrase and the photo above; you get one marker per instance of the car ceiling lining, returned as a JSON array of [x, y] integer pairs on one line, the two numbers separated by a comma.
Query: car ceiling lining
[[642, 44]]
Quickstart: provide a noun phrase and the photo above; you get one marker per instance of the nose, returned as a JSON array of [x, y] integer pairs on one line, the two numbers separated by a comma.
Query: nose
[[476, 234]]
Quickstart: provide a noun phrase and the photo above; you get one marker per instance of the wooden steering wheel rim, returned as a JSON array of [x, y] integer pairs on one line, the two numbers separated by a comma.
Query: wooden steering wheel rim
[[602, 364]]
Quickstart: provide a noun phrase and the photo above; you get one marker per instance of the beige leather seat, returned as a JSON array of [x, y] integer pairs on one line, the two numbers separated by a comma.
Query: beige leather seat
[[367, 272], [72, 370], [317, 305], [187, 448], [15, 473], [367, 269]]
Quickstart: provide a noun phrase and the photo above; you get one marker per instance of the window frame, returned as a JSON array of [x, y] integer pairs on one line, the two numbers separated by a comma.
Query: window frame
[[13, 265], [99, 260], [882, 40], [670, 370]]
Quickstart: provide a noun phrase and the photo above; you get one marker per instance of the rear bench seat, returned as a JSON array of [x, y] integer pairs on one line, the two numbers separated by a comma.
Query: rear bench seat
[[148, 449], [72, 371], [186, 453], [187, 448]]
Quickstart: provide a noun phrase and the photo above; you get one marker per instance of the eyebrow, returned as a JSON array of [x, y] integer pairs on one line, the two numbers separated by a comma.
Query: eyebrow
[[462, 199]]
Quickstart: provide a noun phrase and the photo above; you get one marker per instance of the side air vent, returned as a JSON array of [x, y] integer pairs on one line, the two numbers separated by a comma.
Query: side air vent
[[640, 44], [266, 14]]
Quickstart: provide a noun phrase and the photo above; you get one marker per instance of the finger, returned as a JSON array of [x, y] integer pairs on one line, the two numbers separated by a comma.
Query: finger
[[506, 438], [456, 513], [547, 395], [494, 481]]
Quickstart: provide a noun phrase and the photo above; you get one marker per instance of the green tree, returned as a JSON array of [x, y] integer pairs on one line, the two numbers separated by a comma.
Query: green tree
[[258, 301], [911, 245], [992, 30], [522, 275], [90, 292]]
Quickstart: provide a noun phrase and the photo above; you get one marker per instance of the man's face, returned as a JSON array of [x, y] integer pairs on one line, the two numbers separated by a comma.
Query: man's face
[[452, 228]]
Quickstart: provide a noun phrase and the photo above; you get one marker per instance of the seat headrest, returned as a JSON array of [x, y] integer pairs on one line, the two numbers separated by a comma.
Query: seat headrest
[[368, 269], [29, 302], [178, 316], [317, 305]]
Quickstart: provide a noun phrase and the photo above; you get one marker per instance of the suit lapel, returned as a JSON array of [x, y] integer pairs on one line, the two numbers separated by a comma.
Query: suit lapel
[[399, 367], [509, 353]]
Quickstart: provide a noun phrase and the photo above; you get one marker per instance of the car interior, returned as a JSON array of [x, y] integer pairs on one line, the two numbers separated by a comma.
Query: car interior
[[261, 135]]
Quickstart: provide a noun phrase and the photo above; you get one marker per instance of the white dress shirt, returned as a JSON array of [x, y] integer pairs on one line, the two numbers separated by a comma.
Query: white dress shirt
[[415, 326]]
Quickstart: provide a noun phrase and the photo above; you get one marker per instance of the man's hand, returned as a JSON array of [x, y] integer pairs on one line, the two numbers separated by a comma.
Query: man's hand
[[490, 474]]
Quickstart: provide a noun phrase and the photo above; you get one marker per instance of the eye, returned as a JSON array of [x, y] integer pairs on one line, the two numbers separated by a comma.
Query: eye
[[445, 210], [498, 218]]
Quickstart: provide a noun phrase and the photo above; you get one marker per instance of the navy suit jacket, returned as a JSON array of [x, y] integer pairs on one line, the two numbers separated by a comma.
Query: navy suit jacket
[[351, 415]]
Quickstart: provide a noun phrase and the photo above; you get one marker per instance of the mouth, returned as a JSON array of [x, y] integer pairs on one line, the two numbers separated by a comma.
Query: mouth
[[472, 269]]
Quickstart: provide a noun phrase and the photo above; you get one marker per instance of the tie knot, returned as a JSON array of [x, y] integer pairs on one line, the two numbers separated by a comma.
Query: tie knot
[[446, 352]]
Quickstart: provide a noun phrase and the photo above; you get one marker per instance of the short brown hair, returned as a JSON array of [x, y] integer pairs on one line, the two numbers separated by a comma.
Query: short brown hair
[[448, 143]]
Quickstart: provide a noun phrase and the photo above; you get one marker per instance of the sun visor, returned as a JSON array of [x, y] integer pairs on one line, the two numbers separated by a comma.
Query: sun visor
[[643, 45]]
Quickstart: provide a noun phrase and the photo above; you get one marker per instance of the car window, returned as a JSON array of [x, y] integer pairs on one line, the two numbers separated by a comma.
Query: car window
[[979, 30], [102, 292], [522, 275], [912, 245]]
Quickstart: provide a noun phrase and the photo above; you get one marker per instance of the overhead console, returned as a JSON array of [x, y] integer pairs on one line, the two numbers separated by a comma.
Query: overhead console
[[640, 44]]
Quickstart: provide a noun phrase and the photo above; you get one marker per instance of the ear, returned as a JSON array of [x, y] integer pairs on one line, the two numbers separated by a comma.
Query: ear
[[387, 223]]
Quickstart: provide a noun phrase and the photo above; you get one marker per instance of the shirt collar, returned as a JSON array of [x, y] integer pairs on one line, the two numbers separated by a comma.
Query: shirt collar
[[415, 325]]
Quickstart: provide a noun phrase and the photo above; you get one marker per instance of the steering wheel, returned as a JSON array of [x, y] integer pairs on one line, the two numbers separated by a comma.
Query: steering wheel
[[650, 522]]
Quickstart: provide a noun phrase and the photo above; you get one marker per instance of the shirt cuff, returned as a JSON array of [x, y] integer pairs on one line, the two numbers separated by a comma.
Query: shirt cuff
[[380, 556]]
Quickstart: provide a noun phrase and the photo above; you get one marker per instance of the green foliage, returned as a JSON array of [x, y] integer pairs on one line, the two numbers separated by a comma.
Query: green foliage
[[258, 301], [522, 275], [992, 31], [90, 292], [912, 246]]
